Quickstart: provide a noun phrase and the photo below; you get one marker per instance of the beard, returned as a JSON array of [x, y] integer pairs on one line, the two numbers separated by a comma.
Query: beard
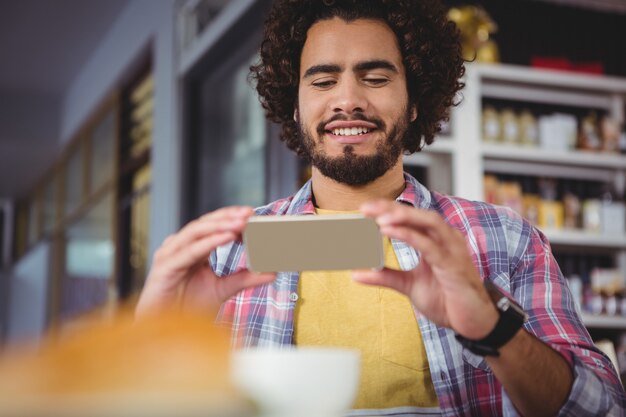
[[352, 169]]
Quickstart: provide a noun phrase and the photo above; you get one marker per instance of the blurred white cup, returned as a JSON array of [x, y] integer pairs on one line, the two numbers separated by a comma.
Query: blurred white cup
[[303, 382]]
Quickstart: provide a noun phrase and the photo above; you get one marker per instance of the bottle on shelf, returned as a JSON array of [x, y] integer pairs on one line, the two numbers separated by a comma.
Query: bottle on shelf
[[529, 132], [589, 136], [491, 185], [510, 195], [530, 201], [610, 134], [550, 209], [622, 140], [608, 283], [571, 207]]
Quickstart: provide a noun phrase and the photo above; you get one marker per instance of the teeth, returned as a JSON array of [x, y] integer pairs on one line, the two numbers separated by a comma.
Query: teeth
[[350, 131]]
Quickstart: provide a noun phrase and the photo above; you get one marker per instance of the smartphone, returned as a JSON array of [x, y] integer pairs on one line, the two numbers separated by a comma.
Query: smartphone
[[312, 243]]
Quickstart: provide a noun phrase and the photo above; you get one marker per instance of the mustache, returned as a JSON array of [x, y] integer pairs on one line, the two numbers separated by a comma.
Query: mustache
[[344, 118]]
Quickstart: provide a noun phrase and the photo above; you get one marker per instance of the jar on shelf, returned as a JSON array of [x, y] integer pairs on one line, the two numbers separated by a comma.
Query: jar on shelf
[[510, 130], [490, 124], [576, 287], [612, 213], [558, 132], [591, 215]]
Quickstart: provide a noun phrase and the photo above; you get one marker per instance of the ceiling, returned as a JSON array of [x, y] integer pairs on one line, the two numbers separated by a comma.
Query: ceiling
[[44, 43], [43, 46]]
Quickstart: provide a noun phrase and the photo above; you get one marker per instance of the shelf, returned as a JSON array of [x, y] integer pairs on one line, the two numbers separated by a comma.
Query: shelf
[[585, 239], [602, 321], [575, 158], [441, 145], [549, 78]]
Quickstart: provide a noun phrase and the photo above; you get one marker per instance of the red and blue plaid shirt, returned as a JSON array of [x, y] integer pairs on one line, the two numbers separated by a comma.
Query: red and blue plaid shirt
[[506, 250]]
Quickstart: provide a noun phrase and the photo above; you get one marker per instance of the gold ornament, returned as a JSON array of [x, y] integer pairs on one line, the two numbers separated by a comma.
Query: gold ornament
[[476, 26]]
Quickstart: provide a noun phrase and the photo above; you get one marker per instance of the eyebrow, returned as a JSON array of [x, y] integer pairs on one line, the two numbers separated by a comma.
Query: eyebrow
[[376, 64], [361, 66], [321, 69]]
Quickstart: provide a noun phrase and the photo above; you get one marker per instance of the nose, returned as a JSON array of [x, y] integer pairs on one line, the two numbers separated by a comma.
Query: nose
[[349, 97]]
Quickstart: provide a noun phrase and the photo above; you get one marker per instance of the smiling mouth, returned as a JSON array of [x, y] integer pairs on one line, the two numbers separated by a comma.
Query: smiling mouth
[[351, 131]]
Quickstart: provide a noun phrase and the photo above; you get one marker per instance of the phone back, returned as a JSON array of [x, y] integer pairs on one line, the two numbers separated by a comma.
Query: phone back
[[312, 243]]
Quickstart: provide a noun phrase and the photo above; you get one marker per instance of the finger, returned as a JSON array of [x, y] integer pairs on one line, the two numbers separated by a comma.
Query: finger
[[392, 213], [230, 219], [168, 240], [376, 208], [390, 278], [200, 230], [431, 250], [227, 287], [231, 211], [197, 252]]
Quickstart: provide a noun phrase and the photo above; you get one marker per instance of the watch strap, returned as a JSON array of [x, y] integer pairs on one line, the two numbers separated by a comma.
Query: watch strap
[[511, 319]]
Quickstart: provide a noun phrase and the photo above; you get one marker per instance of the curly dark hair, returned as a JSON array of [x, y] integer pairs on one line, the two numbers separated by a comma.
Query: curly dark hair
[[429, 44]]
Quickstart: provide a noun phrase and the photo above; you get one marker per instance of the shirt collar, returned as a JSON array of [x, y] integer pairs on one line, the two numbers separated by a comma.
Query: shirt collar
[[414, 194]]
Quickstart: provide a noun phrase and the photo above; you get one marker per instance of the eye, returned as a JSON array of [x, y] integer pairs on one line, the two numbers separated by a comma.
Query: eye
[[376, 81], [322, 84]]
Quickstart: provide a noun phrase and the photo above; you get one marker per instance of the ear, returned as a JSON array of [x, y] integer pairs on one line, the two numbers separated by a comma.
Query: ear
[[413, 112]]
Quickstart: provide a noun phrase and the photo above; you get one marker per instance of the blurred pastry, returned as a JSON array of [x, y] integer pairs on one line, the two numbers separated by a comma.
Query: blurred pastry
[[169, 365]]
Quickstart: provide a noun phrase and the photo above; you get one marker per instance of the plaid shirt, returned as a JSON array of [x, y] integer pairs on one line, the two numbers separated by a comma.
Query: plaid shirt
[[506, 250]]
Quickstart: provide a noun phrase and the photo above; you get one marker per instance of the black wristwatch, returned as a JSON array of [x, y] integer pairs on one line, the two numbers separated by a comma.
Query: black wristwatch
[[512, 318]]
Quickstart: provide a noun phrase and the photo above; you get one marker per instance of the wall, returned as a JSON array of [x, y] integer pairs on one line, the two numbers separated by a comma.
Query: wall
[[27, 296], [23, 140]]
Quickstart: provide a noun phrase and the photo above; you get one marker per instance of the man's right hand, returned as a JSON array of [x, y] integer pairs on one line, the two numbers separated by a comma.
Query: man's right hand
[[181, 273]]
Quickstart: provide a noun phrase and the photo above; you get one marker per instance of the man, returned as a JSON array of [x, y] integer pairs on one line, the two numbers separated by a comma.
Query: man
[[355, 83]]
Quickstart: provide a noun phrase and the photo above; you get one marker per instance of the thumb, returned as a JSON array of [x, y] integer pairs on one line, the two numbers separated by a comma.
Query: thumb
[[230, 285], [390, 278]]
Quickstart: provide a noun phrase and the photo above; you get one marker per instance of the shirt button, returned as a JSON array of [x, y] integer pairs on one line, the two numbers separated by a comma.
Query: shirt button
[[293, 296], [443, 375]]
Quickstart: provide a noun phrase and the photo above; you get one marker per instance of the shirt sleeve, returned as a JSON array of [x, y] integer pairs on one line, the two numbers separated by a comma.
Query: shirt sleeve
[[538, 284]]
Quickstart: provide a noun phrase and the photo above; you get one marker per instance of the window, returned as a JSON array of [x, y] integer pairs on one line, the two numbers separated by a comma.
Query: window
[[73, 208], [33, 228], [89, 260], [50, 204], [232, 154], [134, 182], [103, 148], [73, 180], [232, 138]]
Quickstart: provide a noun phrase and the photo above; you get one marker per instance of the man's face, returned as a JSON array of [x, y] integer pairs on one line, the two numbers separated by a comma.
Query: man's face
[[352, 99]]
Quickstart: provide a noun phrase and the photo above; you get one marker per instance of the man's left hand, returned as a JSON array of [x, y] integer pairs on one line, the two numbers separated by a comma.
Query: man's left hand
[[446, 286]]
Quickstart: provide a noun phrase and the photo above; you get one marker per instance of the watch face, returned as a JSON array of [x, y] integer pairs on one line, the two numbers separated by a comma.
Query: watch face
[[503, 302]]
